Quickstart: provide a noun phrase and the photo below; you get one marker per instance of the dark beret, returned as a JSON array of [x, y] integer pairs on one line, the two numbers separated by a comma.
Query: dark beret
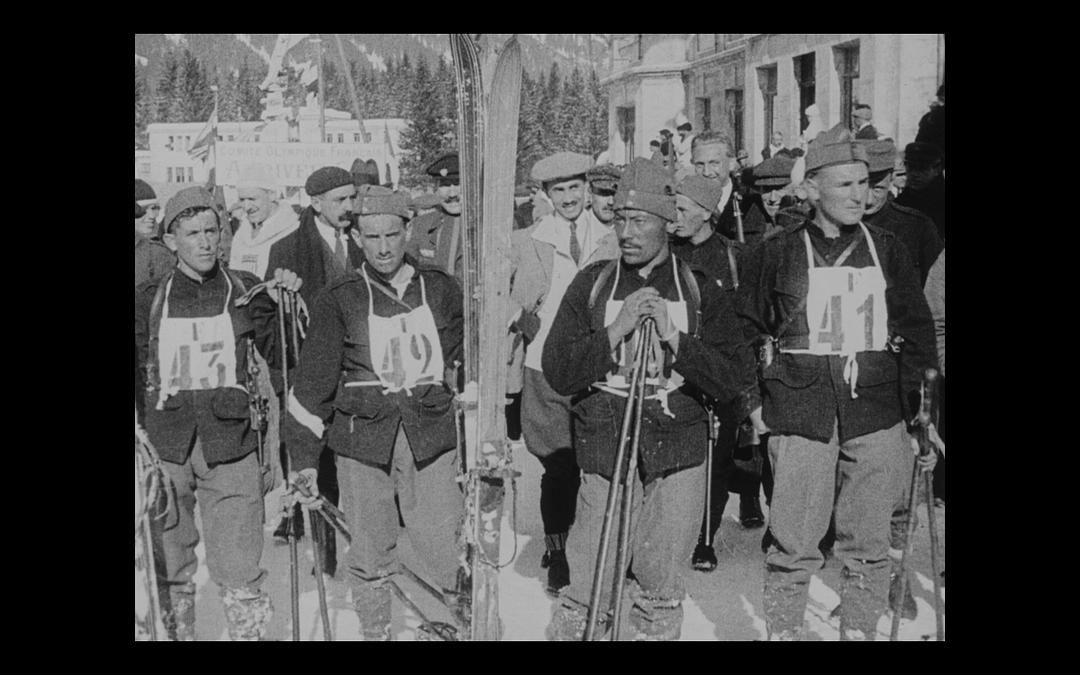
[[143, 191], [326, 179]]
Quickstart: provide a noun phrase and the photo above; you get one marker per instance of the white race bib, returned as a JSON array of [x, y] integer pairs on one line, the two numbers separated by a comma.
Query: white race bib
[[196, 353], [405, 350]]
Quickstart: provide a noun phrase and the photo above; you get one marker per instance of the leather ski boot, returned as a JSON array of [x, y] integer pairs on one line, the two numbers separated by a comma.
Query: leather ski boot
[[750, 515], [704, 558], [179, 619], [247, 613]]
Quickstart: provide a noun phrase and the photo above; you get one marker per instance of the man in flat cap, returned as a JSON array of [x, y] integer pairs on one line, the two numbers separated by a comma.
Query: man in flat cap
[[545, 258], [695, 242], [770, 198], [913, 228], [925, 189], [320, 251], [265, 220], [588, 356], [860, 123], [194, 331], [436, 237], [152, 258], [372, 385], [816, 294]]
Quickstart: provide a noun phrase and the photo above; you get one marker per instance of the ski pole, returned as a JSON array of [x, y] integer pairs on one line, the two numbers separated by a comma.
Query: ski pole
[[613, 493], [628, 485], [294, 577], [929, 380], [320, 584], [713, 433]]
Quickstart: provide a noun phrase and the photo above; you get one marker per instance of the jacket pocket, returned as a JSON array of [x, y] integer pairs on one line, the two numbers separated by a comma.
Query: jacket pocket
[[435, 402], [361, 402], [230, 403], [876, 368], [795, 371]]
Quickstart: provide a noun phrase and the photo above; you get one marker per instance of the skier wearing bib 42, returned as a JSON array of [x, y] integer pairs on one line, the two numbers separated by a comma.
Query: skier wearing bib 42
[[373, 381], [826, 296], [191, 337], [587, 356]]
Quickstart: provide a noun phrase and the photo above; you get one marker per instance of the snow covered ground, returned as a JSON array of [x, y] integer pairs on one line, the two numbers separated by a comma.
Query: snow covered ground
[[722, 605]]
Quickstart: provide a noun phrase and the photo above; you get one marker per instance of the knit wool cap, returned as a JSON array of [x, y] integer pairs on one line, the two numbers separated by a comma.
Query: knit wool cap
[[326, 179], [375, 199], [561, 166], [705, 192], [143, 191], [195, 196], [646, 186]]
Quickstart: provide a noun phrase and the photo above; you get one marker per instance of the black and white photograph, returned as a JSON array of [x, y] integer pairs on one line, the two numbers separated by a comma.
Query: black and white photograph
[[540, 337]]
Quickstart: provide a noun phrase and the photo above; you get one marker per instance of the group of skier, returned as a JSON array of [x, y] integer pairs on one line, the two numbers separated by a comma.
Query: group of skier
[[799, 350]]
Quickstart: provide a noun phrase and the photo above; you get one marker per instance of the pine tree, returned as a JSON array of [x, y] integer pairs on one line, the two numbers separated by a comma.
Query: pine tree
[[228, 98], [597, 104], [573, 114], [144, 109], [447, 93], [196, 100], [247, 92], [165, 92], [530, 143], [422, 139], [551, 139]]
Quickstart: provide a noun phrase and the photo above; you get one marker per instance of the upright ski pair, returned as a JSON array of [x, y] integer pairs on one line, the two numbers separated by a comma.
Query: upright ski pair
[[487, 149]]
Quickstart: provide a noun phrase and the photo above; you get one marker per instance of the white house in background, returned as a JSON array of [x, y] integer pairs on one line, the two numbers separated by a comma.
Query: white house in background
[[750, 84], [168, 166]]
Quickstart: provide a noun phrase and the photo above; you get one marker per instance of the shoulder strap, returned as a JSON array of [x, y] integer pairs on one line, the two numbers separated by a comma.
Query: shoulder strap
[[694, 291], [601, 279], [733, 267], [153, 380]]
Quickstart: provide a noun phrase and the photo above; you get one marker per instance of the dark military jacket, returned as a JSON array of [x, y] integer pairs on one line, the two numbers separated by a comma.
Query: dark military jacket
[[806, 395], [362, 422], [915, 229], [219, 416], [577, 354], [433, 235]]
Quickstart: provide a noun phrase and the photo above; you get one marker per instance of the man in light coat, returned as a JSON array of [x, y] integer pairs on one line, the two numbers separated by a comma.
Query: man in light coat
[[264, 222], [545, 259]]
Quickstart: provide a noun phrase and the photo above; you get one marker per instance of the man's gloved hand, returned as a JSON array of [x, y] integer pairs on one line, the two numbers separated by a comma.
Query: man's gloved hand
[[528, 324], [305, 479]]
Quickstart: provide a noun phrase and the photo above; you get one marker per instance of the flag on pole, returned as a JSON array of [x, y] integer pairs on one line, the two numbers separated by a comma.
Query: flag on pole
[[201, 147]]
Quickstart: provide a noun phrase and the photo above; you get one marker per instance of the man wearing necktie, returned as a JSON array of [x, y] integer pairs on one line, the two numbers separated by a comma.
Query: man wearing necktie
[[321, 249], [545, 258]]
